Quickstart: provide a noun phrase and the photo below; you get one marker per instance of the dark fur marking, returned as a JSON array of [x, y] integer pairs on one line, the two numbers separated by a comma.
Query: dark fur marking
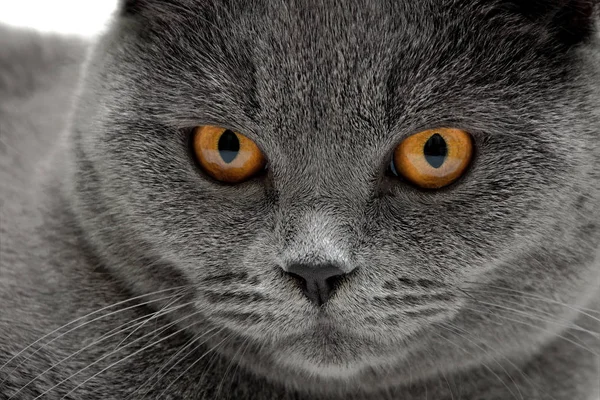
[[226, 297]]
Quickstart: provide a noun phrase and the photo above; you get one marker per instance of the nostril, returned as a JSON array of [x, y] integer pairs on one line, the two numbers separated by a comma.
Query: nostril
[[298, 279], [317, 281], [334, 282]]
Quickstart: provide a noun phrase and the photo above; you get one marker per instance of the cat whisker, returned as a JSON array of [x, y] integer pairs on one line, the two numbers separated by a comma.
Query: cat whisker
[[518, 293], [512, 364], [526, 306], [126, 358], [449, 386], [7, 145], [432, 356], [237, 367], [187, 345], [466, 293], [165, 364], [166, 327], [452, 328], [581, 346], [212, 360], [80, 326], [154, 316], [563, 323], [209, 366], [230, 364], [110, 334], [195, 362]]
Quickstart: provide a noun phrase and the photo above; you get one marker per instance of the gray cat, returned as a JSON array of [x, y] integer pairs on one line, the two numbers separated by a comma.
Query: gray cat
[[304, 199]]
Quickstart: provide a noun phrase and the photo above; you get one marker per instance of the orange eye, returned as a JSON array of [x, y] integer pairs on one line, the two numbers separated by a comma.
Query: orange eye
[[435, 158], [227, 155]]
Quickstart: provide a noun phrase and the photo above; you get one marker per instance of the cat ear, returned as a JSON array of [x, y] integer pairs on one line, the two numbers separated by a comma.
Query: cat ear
[[569, 21]]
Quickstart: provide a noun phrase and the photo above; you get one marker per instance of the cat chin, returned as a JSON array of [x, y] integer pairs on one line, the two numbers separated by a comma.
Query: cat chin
[[344, 363], [331, 371], [322, 369]]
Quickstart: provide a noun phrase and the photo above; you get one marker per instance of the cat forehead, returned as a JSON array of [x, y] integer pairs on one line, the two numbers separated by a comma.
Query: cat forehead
[[326, 60], [312, 29], [331, 34]]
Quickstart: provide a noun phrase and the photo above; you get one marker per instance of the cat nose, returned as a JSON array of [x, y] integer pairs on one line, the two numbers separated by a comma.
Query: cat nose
[[318, 281]]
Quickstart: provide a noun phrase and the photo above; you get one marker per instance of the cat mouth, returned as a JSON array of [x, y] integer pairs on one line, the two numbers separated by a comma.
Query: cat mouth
[[324, 370]]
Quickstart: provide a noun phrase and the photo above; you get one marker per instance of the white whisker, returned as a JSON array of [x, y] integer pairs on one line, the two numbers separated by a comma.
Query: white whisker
[[125, 346], [516, 293], [581, 346], [156, 315], [187, 345], [100, 340], [79, 326], [237, 367], [230, 364], [551, 321], [126, 358], [452, 328], [194, 363]]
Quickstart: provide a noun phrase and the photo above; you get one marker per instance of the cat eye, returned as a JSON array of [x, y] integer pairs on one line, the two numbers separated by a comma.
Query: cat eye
[[433, 159], [225, 155]]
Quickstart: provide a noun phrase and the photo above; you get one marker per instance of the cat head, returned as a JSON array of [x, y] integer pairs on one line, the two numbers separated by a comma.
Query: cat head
[[326, 92]]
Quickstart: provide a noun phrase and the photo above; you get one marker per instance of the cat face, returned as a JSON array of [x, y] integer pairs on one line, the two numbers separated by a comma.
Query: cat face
[[327, 92]]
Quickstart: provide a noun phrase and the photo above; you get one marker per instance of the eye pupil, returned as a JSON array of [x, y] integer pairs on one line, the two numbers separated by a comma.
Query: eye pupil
[[229, 146], [435, 150]]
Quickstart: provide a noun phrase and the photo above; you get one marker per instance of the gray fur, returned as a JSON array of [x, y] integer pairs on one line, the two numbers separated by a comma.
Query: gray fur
[[102, 203]]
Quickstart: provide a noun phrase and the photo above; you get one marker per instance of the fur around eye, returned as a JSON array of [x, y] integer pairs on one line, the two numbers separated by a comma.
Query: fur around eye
[[433, 159], [225, 155]]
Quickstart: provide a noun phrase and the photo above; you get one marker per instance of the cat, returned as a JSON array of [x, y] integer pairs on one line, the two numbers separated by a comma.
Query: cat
[[134, 267]]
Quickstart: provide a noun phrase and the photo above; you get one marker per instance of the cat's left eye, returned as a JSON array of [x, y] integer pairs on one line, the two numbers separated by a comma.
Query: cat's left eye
[[433, 159], [225, 155]]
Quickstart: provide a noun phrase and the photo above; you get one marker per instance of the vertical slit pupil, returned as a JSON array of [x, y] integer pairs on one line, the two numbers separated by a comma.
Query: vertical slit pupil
[[435, 150], [229, 146]]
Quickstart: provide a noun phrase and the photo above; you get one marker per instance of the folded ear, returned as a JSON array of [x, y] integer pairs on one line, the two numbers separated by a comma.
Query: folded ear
[[569, 21]]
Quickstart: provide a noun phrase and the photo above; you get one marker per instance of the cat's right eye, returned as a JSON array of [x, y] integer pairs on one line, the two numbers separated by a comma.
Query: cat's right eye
[[225, 155]]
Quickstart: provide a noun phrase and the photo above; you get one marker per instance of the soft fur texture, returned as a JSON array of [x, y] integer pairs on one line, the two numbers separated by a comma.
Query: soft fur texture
[[153, 281]]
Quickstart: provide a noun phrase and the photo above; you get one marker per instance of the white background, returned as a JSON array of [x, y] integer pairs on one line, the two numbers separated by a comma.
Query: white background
[[81, 17]]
